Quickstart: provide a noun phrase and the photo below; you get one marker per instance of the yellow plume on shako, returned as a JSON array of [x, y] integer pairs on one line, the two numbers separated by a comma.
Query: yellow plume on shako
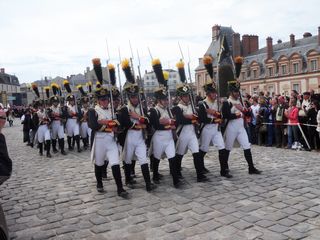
[[110, 66], [66, 85], [156, 61], [125, 63], [180, 64], [166, 75]]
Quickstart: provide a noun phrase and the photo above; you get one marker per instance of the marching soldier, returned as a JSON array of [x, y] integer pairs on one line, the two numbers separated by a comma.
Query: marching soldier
[[233, 111], [210, 118], [163, 123], [43, 132], [134, 120], [85, 131], [104, 145], [72, 115], [57, 121], [162, 142], [186, 131]]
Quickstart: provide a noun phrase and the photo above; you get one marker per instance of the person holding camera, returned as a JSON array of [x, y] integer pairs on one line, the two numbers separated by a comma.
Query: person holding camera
[[5, 170]]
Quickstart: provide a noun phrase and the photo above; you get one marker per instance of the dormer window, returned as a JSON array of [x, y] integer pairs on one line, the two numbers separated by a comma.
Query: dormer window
[[254, 72], [270, 71], [314, 65], [283, 69], [295, 68]]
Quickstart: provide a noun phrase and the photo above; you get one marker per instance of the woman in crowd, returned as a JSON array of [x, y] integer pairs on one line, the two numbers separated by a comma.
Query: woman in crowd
[[292, 115]]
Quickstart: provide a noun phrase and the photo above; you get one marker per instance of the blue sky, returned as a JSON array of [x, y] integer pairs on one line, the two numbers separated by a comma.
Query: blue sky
[[58, 38]]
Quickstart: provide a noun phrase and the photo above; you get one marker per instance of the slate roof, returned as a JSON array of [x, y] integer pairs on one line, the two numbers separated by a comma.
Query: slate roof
[[9, 79], [302, 46]]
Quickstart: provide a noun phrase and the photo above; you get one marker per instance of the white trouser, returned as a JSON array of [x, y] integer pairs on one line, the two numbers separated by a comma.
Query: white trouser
[[105, 148], [57, 129], [43, 133], [235, 130], [162, 143], [187, 140], [85, 131], [135, 147], [72, 127], [211, 135]]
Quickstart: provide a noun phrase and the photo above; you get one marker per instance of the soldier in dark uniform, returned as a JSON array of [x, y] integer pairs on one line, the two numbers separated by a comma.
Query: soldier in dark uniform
[[57, 125], [104, 145], [233, 111], [134, 120], [187, 139], [162, 142], [210, 118], [85, 131], [71, 112]]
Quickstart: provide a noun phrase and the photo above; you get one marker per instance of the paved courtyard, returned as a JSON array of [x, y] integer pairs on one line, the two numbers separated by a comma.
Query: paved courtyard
[[56, 199]]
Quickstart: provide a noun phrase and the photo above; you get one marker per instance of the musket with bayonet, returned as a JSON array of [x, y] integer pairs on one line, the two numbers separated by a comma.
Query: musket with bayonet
[[119, 76], [140, 82], [139, 95], [191, 95]]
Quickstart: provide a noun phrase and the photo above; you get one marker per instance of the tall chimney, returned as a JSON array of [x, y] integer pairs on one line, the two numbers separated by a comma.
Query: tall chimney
[[254, 43], [319, 35], [245, 45], [292, 41], [2, 70], [215, 32], [236, 44], [269, 48]]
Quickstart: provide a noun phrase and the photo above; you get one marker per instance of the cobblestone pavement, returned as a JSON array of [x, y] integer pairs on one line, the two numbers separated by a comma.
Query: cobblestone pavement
[[56, 199]]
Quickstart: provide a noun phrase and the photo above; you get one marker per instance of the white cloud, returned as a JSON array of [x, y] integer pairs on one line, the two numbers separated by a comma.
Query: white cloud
[[46, 37]]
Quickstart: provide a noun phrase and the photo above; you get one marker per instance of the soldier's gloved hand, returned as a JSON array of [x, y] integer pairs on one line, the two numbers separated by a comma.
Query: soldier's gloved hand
[[143, 120], [194, 117], [172, 122], [140, 126], [238, 114], [134, 115], [164, 121], [112, 123], [218, 121]]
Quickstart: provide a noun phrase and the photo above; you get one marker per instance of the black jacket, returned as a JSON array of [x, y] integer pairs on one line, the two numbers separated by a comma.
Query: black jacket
[[5, 161]]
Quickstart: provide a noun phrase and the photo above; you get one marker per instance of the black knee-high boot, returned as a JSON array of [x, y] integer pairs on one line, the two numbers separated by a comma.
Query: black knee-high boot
[[151, 162], [223, 160], [85, 143], [98, 173], [178, 165], [146, 175], [104, 171], [248, 156], [197, 164], [54, 145], [61, 146], [117, 178], [77, 139], [174, 172], [40, 149], [127, 173], [48, 144], [69, 139], [133, 166], [202, 154], [155, 169]]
